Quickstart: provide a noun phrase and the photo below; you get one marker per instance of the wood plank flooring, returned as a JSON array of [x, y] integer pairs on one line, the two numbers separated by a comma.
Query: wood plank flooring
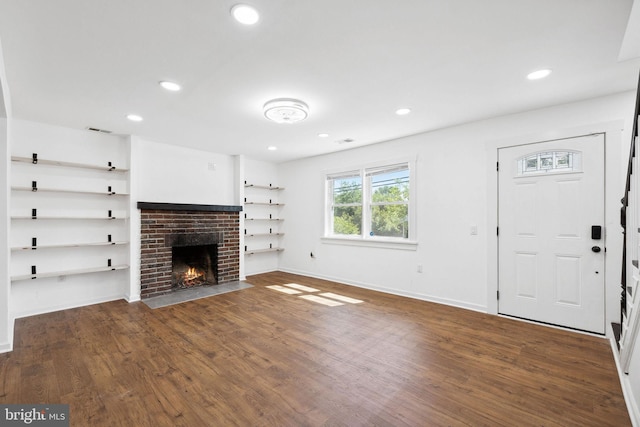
[[259, 357]]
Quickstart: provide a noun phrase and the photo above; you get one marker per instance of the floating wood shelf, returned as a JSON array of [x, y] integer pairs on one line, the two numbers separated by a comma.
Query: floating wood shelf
[[67, 272], [263, 234], [264, 203], [108, 218], [68, 245], [263, 187], [62, 190], [107, 168], [260, 251]]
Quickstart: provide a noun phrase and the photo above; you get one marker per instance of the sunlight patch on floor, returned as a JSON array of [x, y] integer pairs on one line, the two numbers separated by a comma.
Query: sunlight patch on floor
[[302, 287], [325, 298], [341, 298], [320, 300], [284, 290]]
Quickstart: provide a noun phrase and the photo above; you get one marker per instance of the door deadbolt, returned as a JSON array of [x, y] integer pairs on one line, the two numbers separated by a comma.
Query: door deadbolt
[[596, 249]]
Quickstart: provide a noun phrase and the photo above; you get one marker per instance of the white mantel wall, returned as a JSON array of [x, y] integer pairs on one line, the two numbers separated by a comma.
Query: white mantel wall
[[170, 174]]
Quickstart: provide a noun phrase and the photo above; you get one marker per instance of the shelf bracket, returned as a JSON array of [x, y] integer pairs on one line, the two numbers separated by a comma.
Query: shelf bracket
[[34, 213], [33, 271], [34, 158], [34, 185], [111, 167], [34, 243]]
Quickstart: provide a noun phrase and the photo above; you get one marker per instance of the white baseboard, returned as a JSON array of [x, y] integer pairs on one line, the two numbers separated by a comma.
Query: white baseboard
[[60, 307], [5, 348], [423, 297], [132, 298]]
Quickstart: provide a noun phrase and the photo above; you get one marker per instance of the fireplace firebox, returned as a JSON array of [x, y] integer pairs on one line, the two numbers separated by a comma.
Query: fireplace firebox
[[194, 266], [194, 259]]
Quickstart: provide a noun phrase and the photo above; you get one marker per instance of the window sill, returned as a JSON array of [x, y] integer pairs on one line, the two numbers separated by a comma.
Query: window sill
[[372, 243]]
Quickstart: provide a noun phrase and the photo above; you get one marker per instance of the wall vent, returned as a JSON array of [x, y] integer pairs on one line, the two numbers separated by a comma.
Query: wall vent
[[97, 130]]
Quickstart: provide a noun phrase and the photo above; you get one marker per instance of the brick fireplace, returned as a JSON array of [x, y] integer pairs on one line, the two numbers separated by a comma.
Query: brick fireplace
[[167, 225]]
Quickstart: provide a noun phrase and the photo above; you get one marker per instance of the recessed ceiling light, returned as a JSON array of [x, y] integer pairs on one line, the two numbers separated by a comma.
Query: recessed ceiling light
[[323, 135], [539, 74], [171, 86], [272, 148], [403, 111], [134, 117], [245, 14], [285, 110]]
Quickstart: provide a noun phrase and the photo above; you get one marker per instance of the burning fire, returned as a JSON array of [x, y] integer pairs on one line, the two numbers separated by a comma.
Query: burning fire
[[192, 277], [192, 273]]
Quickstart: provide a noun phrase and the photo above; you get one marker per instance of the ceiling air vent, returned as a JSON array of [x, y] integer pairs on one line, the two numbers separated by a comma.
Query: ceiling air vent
[[97, 130]]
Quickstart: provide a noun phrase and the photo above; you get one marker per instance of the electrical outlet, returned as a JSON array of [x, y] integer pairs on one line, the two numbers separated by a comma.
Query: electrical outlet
[[419, 268]]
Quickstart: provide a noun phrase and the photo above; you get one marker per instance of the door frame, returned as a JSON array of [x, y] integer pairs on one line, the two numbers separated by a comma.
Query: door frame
[[614, 186], [591, 147]]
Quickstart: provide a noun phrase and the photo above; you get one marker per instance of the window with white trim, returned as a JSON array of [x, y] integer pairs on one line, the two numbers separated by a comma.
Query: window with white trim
[[370, 203]]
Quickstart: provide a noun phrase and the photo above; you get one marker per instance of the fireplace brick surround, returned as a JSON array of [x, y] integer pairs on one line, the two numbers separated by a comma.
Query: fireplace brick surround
[[159, 221]]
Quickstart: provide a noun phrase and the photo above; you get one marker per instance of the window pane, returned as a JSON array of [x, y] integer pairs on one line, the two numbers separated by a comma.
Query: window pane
[[532, 163], [347, 220], [546, 161], [562, 160], [390, 220], [347, 190], [549, 162], [390, 187]]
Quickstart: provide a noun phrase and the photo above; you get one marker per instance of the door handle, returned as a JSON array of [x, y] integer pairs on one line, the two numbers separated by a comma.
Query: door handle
[[596, 249]]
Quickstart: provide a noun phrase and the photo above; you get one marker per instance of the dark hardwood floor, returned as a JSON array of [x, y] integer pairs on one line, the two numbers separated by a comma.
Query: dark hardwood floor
[[259, 357]]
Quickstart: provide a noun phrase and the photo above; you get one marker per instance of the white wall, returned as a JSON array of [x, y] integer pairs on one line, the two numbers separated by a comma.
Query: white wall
[[170, 174], [6, 322], [455, 183], [265, 174], [29, 297]]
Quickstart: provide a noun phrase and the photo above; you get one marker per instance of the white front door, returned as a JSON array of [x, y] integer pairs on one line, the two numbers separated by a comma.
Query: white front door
[[550, 195]]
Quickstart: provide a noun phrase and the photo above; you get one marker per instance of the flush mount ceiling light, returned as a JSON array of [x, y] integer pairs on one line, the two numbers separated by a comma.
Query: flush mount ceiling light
[[323, 135], [403, 111], [134, 117], [245, 14], [170, 86], [285, 110], [539, 74]]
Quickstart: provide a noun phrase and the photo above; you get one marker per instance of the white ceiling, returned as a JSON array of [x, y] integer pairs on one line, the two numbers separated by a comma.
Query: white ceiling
[[88, 63]]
